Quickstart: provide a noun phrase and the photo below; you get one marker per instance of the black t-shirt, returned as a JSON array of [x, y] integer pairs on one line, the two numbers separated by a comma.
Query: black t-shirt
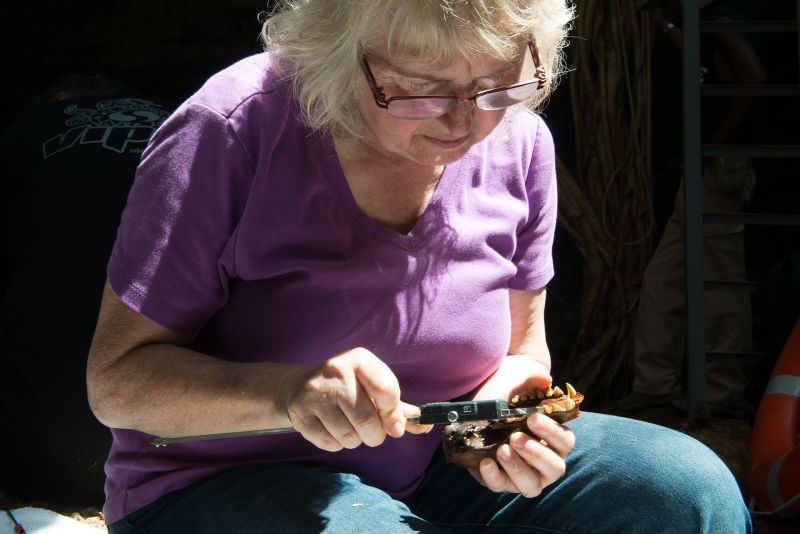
[[66, 171]]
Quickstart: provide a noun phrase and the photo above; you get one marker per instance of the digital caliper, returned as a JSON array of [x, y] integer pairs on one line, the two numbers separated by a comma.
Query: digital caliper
[[434, 413]]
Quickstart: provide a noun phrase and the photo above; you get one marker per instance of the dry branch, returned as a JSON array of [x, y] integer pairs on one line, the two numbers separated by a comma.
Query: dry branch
[[605, 202]]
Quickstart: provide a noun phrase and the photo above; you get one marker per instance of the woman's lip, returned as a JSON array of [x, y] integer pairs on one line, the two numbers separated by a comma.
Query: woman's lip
[[448, 143]]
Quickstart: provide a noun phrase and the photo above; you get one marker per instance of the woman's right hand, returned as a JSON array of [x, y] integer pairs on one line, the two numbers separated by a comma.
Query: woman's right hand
[[352, 398]]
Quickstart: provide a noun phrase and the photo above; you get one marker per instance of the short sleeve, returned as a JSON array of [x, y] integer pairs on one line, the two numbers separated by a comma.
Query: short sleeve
[[188, 194], [534, 252]]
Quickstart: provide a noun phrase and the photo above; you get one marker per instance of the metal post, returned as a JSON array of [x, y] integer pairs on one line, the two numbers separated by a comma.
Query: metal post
[[693, 197]]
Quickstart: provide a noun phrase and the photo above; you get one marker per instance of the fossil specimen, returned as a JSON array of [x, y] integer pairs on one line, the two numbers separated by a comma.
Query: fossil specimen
[[469, 442]]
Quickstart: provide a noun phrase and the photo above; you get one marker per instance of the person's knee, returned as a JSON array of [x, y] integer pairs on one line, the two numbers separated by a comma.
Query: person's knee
[[682, 481], [657, 479]]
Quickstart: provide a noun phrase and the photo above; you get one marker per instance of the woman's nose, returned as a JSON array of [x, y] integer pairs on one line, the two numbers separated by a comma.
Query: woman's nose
[[459, 116]]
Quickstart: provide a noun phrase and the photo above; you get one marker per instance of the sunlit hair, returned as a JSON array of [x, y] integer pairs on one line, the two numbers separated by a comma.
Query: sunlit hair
[[317, 44]]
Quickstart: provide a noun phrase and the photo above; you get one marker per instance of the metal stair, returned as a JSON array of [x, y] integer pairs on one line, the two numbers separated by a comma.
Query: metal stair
[[694, 151]]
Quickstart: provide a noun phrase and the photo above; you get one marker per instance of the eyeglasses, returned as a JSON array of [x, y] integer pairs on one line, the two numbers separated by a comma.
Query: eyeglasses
[[432, 106]]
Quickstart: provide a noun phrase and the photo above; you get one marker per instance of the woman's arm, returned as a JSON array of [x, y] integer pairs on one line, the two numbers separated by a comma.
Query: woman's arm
[[735, 61], [143, 376], [527, 365]]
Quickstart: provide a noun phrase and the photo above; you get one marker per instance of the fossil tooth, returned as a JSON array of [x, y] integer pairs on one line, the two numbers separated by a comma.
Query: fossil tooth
[[475, 440], [568, 404], [548, 408], [548, 392], [571, 391], [557, 391]]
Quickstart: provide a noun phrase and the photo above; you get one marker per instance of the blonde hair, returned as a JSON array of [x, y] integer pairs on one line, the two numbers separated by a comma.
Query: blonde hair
[[317, 44]]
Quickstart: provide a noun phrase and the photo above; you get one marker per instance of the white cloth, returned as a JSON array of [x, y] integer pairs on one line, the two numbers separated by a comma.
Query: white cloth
[[42, 521]]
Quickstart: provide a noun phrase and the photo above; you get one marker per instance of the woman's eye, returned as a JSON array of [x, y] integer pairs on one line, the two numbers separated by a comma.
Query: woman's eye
[[416, 85]]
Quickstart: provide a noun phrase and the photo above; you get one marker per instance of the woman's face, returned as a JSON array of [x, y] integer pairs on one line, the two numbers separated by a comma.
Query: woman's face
[[440, 140]]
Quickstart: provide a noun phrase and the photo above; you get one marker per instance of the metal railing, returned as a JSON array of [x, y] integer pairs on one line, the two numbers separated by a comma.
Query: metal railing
[[694, 151]]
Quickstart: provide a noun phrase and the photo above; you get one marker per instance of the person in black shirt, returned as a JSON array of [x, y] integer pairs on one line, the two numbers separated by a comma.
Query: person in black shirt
[[67, 164]]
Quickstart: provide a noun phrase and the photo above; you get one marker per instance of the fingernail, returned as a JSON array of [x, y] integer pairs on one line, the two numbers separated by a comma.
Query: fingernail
[[504, 453]]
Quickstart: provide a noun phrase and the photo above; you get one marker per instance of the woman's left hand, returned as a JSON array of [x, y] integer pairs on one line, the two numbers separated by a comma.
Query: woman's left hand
[[527, 465]]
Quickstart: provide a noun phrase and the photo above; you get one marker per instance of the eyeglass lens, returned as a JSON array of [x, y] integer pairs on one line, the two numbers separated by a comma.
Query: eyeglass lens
[[424, 108], [507, 97]]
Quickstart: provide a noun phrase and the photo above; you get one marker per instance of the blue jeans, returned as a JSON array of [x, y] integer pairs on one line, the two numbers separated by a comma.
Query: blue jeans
[[623, 476]]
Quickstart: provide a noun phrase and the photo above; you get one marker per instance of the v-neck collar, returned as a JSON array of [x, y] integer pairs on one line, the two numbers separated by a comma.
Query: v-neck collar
[[425, 226]]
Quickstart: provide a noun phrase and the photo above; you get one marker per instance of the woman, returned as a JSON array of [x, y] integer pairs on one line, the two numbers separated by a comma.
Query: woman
[[307, 245]]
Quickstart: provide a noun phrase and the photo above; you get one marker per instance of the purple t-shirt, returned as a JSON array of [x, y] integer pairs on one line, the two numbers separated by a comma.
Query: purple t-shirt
[[241, 227]]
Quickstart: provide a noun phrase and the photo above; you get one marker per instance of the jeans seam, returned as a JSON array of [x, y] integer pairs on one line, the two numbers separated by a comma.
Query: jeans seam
[[488, 526], [136, 528]]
